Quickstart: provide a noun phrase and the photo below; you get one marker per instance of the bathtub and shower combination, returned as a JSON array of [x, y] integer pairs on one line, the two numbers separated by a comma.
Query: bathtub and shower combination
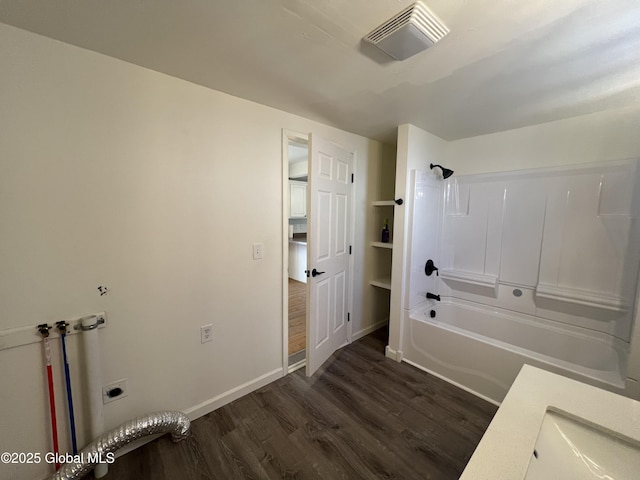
[[534, 267], [491, 345]]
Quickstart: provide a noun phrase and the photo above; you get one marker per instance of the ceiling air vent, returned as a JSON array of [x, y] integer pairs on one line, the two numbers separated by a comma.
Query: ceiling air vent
[[411, 31]]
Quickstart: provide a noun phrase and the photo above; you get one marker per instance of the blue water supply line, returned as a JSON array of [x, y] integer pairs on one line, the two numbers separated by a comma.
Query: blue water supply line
[[62, 327]]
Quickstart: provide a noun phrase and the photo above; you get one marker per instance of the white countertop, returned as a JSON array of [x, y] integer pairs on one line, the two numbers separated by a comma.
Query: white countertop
[[300, 239], [506, 448]]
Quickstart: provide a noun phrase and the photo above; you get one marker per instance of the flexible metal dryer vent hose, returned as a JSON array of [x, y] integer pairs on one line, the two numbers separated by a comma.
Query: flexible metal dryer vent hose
[[176, 423]]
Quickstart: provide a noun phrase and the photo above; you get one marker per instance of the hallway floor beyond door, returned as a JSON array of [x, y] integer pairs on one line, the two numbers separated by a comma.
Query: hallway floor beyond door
[[297, 316]]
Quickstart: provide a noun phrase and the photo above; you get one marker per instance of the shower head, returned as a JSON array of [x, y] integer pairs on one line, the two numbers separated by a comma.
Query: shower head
[[446, 173]]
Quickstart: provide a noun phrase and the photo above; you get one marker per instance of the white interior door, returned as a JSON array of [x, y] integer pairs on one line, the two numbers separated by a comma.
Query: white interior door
[[329, 230]]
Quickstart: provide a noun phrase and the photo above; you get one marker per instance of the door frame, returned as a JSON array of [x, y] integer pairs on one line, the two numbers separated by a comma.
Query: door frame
[[294, 136], [287, 136]]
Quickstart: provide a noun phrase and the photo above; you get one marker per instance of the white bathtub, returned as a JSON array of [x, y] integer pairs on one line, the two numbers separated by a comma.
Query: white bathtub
[[483, 348]]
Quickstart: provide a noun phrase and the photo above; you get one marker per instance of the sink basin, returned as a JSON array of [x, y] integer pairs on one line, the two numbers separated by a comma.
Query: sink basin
[[571, 448]]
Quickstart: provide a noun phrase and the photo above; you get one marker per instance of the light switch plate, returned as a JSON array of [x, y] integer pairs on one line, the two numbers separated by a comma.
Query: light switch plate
[[257, 251], [206, 333]]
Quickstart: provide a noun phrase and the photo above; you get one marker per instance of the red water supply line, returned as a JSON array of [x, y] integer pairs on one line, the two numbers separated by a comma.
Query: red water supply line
[[44, 331]]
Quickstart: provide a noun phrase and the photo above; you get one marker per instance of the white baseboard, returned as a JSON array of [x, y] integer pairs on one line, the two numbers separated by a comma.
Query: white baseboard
[[297, 366], [393, 354], [212, 404], [229, 396], [368, 330]]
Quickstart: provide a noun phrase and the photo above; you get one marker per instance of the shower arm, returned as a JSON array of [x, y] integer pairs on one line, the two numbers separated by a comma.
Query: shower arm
[[175, 423]]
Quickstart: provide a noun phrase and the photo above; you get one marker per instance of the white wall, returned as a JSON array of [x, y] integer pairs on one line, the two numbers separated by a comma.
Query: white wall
[[114, 175], [416, 150], [609, 135]]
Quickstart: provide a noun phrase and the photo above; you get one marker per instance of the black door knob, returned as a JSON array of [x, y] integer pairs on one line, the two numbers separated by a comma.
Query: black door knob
[[315, 273]]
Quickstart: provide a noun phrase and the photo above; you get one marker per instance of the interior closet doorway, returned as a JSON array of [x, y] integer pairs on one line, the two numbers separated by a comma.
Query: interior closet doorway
[[295, 176]]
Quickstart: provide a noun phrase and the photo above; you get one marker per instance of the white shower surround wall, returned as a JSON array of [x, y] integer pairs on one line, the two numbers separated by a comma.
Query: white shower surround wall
[[566, 237], [565, 319]]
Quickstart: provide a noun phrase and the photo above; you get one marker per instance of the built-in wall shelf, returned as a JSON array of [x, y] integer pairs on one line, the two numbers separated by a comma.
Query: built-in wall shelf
[[382, 212], [473, 282], [382, 283], [585, 298]]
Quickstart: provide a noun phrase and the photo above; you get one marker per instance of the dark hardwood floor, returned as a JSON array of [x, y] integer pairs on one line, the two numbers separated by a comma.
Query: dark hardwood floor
[[362, 416]]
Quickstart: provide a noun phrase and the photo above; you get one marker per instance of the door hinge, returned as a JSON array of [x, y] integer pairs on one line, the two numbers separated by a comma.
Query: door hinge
[[349, 249], [348, 317], [352, 177]]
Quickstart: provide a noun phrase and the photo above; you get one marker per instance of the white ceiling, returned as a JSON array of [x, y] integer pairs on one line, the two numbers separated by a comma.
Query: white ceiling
[[505, 64]]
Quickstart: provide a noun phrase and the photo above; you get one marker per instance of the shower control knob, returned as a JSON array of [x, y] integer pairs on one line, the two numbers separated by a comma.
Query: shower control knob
[[429, 268]]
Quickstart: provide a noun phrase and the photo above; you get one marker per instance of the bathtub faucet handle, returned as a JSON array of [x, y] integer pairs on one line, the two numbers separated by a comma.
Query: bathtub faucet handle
[[429, 268], [432, 296]]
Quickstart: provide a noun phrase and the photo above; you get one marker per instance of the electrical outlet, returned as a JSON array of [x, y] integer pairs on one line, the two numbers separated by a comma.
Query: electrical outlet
[[114, 391], [206, 333], [257, 251]]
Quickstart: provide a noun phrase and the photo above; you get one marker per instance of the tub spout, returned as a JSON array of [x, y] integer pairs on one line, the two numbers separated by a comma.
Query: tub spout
[[432, 296]]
